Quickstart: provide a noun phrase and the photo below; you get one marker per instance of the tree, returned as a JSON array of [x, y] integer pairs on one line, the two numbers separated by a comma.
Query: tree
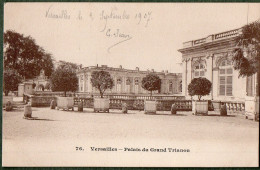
[[246, 55], [22, 54], [47, 86], [11, 80], [33, 85], [102, 81], [74, 66], [64, 79], [151, 82], [200, 87]]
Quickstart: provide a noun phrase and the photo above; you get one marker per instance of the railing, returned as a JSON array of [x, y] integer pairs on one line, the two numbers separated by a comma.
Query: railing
[[211, 38], [111, 96], [199, 41], [233, 106], [227, 34], [138, 104]]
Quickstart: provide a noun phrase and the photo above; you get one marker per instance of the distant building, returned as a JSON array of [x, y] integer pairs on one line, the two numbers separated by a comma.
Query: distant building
[[129, 81]]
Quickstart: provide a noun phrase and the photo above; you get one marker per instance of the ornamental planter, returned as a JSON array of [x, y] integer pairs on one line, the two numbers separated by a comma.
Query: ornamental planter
[[252, 107], [150, 106], [101, 105], [65, 103], [200, 107]]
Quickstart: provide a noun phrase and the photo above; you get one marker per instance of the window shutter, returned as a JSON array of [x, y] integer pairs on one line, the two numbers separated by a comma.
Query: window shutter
[[222, 90], [229, 90], [222, 80], [229, 80]]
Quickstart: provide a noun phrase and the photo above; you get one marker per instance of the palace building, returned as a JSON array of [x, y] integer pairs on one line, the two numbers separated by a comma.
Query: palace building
[[211, 57], [129, 81]]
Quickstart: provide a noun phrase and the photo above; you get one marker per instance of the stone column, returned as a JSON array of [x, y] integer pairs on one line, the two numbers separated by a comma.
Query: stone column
[[209, 60], [123, 84], [184, 76], [189, 76]]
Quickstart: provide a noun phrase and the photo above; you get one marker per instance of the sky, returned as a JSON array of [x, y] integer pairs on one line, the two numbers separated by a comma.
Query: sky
[[144, 35]]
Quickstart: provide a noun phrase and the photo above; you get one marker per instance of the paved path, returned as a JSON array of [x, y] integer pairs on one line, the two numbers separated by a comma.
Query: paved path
[[52, 138]]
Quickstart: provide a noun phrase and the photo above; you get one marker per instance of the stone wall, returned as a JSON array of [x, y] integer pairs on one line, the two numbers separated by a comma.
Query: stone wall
[[41, 101]]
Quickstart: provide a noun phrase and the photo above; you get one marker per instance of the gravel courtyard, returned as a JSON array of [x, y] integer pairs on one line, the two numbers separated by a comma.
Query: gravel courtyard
[[52, 137]]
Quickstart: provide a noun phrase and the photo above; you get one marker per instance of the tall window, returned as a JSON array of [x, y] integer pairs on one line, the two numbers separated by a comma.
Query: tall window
[[118, 85], [249, 86], [136, 85], [180, 86], [199, 69], [170, 86], [225, 78], [81, 83], [128, 85]]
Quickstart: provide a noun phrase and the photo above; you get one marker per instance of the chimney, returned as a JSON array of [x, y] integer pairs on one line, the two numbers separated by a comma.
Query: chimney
[[120, 67], [166, 71], [137, 68], [152, 70]]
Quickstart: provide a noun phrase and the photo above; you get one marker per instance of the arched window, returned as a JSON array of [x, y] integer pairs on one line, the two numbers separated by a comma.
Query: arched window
[[170, 86], [118, 85], [136, 85], [180, 86], [199, 69], [225, 78], [128, 85]]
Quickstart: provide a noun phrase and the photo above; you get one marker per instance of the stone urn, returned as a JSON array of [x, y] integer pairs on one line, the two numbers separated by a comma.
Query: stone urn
[[53, 104], [8, 106], [80, 106], [28, 111], [173, 109], [124, 108], [223, 110]]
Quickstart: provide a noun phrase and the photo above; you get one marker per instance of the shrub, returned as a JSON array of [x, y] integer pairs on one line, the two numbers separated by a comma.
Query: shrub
[[151, 82], [11, 80], [64, 79], [102, 81], [200, 87]]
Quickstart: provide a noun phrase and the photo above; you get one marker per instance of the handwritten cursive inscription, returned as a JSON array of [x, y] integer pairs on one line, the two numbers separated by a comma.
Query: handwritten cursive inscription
[[119, 35], [62, 14]]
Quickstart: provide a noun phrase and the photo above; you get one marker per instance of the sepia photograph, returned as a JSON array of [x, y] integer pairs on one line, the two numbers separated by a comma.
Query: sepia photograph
[[130, 84]]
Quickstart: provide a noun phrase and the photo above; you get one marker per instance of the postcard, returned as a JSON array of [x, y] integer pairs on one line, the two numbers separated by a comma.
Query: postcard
[[130, 84]]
